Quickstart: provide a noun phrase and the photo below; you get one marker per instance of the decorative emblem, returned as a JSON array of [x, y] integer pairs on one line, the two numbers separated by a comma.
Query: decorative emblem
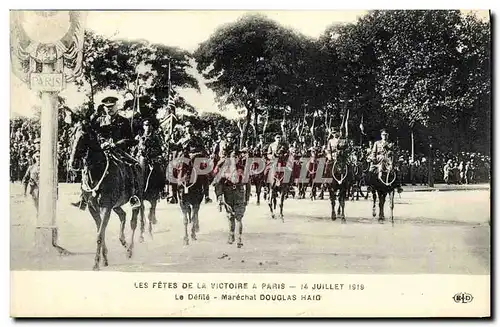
[[47, 37]]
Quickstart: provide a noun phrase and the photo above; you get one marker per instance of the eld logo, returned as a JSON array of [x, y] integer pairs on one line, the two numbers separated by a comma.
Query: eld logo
[[463, 298]]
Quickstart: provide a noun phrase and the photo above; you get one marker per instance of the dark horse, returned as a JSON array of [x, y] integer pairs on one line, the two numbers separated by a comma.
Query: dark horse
[[258, 179], [278, 181], [106, 185], [340, 171], [189, 193], [154, 184], [384, 184]]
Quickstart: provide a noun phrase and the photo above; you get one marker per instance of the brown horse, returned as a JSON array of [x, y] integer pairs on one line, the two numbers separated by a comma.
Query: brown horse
[[189, 189], [106, 185]]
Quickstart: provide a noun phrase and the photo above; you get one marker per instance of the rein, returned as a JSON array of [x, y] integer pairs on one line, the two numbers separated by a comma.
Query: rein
[[342, 177], [149, 176], [185, 184], [85, 185]]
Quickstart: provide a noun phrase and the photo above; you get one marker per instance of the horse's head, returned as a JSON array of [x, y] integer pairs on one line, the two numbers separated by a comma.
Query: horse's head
[[83, 141]]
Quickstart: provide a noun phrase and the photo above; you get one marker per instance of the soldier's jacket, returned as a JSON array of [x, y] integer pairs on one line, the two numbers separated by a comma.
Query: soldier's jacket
[[116, 128], [274, 147], [31, 177], [150, 146], [225, 149], [380, 148], [234, 189], [190, 144], [331, 146]]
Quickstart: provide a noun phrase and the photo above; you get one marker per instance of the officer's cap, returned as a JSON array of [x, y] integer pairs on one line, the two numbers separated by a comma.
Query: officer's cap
[[228, 135], [109, 98]]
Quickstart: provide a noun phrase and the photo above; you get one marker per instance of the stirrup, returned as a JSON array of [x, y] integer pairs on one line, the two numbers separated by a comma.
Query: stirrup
[[134, 202]]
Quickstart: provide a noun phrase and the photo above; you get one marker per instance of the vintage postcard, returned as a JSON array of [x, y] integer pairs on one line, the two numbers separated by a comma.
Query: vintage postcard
[[250, 163]]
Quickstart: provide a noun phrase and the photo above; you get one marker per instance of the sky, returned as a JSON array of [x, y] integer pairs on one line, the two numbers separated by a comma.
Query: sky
[[184, 29]]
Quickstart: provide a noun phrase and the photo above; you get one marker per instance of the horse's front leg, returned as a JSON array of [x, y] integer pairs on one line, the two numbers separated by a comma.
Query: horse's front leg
[[122, 216], [194, 225], [313, 191], [152, 215], [392, 206], [143, 222], [382, 196], [270, 201], [101, 245], [185, 217], [282, 201], [342, 200], [374, 196], [133, 226], [152, 211], [258, 190], [332, 202]]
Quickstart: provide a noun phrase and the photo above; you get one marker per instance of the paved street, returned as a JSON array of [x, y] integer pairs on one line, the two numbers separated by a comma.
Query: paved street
[[434, 232]]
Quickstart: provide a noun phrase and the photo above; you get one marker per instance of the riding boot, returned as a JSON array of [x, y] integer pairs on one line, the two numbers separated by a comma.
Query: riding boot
[[82, 204]]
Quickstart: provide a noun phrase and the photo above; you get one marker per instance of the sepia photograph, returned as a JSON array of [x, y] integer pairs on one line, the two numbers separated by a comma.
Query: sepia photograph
[[251, 159]]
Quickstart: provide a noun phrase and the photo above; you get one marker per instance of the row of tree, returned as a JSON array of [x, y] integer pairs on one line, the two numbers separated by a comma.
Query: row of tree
[[421, 72]]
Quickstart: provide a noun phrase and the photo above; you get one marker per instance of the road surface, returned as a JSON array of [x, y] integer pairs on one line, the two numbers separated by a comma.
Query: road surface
[[434, 233]]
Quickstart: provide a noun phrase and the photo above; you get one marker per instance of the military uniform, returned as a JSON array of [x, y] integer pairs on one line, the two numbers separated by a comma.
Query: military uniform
[[332, 147], [192, 146], [378, 153], [149, 147], [233, 193], [115, 134]]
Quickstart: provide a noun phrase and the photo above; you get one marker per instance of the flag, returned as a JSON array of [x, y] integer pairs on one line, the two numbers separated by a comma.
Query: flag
[[361, 127], [172, 97]]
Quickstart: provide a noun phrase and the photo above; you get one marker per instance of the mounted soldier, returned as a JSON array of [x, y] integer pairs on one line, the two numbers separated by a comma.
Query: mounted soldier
[[115, 135], [331, 146], [149, 144], [191, 146], [379, 153], [227, 146], [150, 155], [277, 148]]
